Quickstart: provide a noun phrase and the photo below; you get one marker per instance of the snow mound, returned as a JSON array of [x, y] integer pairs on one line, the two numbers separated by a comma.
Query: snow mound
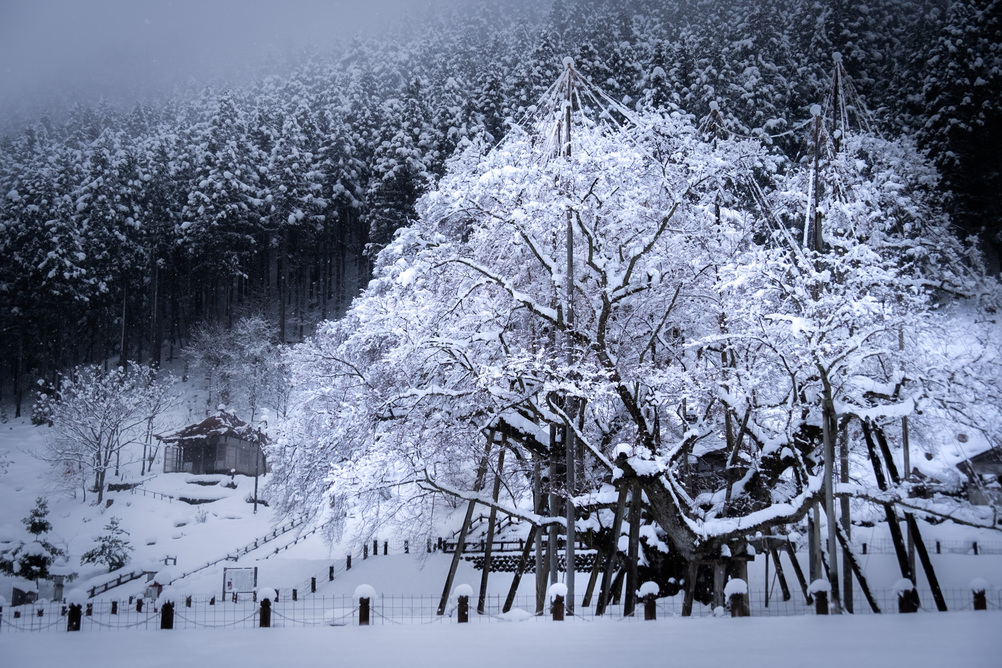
[[979, 585], [735, 586], [462, 590], [819, 586], [364, 591], [266, 593], [903, 585], [516, 615], [649, 588], [556, 589]]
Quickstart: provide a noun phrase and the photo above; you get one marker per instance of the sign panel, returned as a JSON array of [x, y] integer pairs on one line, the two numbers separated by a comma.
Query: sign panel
[[239, 581]]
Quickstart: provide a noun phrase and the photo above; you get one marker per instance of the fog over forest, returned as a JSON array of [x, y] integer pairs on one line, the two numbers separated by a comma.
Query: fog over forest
[[57, 52]]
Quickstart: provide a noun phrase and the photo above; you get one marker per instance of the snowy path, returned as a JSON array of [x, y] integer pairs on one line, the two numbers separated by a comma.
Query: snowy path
[[970, 640]]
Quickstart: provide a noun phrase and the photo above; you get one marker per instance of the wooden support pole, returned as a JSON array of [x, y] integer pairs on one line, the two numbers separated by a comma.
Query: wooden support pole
[[854, 565], [458, 554], [930, 573], [633, 549], [788, 546], [523, 562], [491, 524], [892, 518], [690, 588], [610, 561], [780, 575], [846, 523], [596, 568], [541, 564]]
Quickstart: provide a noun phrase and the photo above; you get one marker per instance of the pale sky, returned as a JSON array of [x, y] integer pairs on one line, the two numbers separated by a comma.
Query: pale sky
[[67, 49]]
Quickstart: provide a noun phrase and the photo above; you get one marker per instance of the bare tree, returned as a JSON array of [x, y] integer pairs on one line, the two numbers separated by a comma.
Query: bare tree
[[96, 417]]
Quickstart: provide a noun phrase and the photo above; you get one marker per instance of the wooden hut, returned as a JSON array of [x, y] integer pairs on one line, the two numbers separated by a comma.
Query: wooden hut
[[984, 477], [220, 444]]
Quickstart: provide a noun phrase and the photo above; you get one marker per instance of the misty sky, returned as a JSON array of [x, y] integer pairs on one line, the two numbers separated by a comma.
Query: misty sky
[[60, 50]]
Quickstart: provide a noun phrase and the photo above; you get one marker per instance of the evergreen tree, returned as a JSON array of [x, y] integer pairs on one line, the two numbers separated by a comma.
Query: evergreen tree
[[112, 547], [32, 559]]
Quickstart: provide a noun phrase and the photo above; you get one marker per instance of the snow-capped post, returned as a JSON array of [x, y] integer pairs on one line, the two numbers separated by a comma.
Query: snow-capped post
[[819, 591], [979, 587], [266, 598], [907, 595], [364, 594], [462, 594], [556, 594], [736, 593], [649, 595]]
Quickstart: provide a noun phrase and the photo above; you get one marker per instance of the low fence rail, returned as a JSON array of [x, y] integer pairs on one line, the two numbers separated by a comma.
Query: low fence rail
[[204, 612]]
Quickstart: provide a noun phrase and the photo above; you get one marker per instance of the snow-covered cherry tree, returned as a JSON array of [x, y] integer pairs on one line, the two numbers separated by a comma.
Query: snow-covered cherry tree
[[96, 418]]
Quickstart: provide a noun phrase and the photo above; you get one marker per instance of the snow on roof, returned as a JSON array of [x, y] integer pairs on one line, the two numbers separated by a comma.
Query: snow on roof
[[223, 423]]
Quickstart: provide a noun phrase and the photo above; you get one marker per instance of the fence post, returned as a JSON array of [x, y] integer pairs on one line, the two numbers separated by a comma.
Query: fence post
[[187, 601], [557, 608], [265, 619], [907, 596], [114, 607], [375, 546], [295, 594], [938, 548], [364, 594], [555, 594], [979, 590], [313, 585], [365, 552], [139, 605], [347, 566], [89, 610], [429, 546], [167, 615], [363, 612], [463, 610], [975, 548], [407, 546], [73, 617], [650, 607], [386, 547], [736, 592]]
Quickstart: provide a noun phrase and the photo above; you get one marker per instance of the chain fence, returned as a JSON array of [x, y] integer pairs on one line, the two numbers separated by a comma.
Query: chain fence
[[316, 611]]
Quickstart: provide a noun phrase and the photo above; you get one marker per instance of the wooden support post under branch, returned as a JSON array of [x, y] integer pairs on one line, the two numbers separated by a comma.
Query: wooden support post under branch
[[467, 521]]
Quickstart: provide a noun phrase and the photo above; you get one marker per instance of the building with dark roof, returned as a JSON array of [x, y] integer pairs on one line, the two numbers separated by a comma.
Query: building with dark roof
[[220, 444]]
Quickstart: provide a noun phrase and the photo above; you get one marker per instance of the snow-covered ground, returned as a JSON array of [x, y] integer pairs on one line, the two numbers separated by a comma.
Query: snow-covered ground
[[967, 640], [197, 534]]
